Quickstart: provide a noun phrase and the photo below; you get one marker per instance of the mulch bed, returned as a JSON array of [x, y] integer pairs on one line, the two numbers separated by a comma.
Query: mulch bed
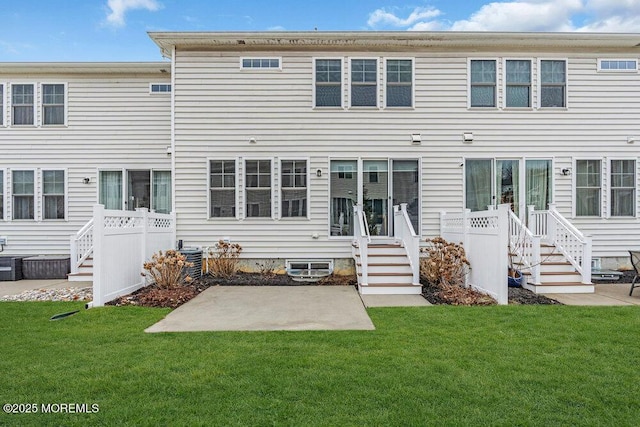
[[457, 295]]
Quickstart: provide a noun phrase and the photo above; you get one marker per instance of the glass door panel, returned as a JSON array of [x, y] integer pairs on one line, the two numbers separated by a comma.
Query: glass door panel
[[162, 191], [508, 183], [538, 181], [138, 190], [406, 189], [478, 178], [110, 190], [344, 196], [375, 195]]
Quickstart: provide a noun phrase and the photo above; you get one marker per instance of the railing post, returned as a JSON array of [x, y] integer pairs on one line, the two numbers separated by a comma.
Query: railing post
[[144, 214], [174, 228], [466, 227], [532, 224], [536, 260], [586, 260], [503, 255], [73, 253], [98, 248]]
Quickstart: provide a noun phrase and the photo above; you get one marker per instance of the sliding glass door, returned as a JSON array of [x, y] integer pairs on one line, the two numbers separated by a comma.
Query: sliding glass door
[[144, 189]]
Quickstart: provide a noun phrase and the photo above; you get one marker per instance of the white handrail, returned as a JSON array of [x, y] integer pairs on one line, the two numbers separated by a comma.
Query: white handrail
[[524, 245], [81, 245], [574, 245], [404, 232], [361, 240]]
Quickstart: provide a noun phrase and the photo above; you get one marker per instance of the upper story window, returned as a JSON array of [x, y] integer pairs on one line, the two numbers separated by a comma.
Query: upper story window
[[293, 183], [518, 83], [588, 187], [618, 65], [160, 88], [260, 63], [399, 83], [23, 195], [1, 104], [483, 83], [1, 194], [328, 83], [553, 83], [222, 186], [258, 188], [53, 194], [364, 83], [22, 107], [52, 104], [623, 187]]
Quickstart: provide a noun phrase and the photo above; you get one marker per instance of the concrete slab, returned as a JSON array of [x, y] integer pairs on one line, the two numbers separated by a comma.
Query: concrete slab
[[269, 308], [394, 301], [605, 294], [19, 286]]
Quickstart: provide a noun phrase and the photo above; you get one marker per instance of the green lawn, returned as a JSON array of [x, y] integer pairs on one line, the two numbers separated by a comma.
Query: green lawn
[[519, 365]]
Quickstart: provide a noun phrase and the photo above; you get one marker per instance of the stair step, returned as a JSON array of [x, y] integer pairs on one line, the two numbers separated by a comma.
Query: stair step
[[387, 274], [381, 255], [386, 264], [391, 285]]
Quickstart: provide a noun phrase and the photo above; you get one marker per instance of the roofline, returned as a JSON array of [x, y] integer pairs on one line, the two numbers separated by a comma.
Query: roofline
[[86, 67], [395, 40]]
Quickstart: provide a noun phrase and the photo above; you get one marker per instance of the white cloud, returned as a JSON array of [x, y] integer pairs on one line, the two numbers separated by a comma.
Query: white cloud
[[118, 8], [276, 28], [418, 15], [522, 15]]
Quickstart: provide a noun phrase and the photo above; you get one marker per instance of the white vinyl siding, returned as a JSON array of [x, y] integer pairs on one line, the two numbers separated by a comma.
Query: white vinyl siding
[[483, 82], [623, 188]]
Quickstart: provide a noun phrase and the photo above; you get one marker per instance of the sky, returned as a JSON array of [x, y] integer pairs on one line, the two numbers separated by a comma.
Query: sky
[[116, 30]]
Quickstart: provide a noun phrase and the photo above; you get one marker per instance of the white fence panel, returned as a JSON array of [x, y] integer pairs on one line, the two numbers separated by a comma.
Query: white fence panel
[[123, 241], [485, 238]]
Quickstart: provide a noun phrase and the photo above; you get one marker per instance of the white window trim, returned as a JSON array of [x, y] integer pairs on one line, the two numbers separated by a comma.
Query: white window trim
[[40, 97], [262, 69], [350, 83], [601, 70], [413, 82], [237, 216], [504, 85], [36, 186], [66, 194], [273, 189], [609, 160], [574, 182], [3, 102], [342, 79], [290, 158], [35, 105], [151, 92], [3, 193], [566, 86], [498, 84]]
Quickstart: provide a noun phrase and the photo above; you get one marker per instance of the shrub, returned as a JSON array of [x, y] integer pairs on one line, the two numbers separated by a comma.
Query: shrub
[[223, 260], [445, 263], [167, 270]]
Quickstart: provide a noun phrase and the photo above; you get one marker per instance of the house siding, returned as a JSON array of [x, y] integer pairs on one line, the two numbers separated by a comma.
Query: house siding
[[112, 122], [219, 107]]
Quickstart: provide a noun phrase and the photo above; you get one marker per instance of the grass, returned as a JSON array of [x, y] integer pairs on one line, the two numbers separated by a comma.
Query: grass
[[524, 365]]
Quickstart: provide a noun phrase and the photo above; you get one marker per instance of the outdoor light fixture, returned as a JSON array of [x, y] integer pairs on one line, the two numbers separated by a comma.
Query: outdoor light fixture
[[566, 171], [467, 136], [86, 180], [319, 173], [253, 140], [416, 139]]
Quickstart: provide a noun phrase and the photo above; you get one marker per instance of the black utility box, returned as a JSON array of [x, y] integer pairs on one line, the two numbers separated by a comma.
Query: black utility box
[[10, 268], [46, 267]]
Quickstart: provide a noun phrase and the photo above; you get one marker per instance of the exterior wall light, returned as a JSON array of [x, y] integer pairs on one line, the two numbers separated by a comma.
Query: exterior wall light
[[416, 139], [86, 180], [253, 140], [566, 171], [319, 173], [467, 137]]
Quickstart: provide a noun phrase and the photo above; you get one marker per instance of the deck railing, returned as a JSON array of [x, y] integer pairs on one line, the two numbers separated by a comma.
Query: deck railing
[[403, 232], [361, 240], [81, 245], [524, 247]]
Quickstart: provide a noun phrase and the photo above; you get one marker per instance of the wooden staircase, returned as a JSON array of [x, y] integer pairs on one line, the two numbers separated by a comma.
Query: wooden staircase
[[388, 270], [85, 272], [557, 275]]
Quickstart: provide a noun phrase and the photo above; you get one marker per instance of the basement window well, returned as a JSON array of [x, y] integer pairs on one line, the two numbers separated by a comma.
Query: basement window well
[[309, 270]]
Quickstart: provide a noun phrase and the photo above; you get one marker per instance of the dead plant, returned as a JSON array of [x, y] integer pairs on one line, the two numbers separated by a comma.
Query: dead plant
[[443, 263], [167, 270], [223, 260]]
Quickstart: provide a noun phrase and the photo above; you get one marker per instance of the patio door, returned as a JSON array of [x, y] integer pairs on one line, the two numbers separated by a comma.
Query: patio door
[[139, 189], [375, 195]]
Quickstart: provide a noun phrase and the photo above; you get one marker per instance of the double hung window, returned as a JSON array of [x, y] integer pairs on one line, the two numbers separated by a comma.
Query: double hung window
[[483, 83]]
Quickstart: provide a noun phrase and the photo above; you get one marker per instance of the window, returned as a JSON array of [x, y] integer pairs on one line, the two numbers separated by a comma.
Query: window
[[623, 187], [110, 189], [518, 83], [588, 187], [22, 104], [1, 104], [1, 194], [483, 83], [23, 195], [52, 104], [618, 65], [553, 83], [161, 197], [328, 83], [364, 88], [399, 83], [160, 88], [222, 185], [260, 63], [258, 188], [293, 183], [53, 194]]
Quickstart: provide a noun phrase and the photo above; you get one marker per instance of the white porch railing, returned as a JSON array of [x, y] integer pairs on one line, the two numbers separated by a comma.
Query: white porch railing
[[361, 240], [557, 230], [524, 246], [403, 231], [81, 245]]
